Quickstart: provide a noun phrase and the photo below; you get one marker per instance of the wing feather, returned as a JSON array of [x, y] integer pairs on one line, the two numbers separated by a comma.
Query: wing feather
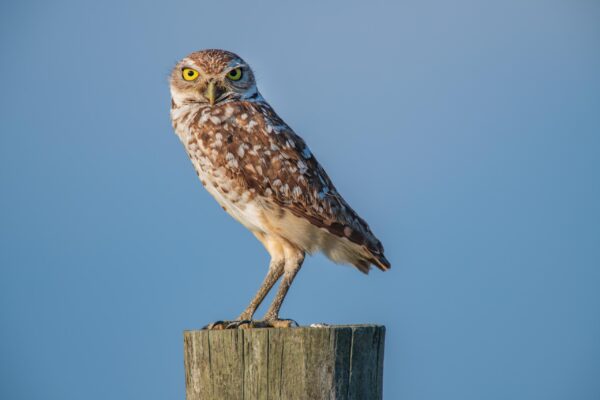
[[265, 156]]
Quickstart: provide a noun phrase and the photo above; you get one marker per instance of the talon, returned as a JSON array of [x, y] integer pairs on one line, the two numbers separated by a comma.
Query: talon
[[217, 325], [221, 325], [249, 324], [275, 323], [243, 324]]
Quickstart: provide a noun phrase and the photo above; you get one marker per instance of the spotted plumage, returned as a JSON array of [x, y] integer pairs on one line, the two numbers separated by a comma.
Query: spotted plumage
[[262, 173]]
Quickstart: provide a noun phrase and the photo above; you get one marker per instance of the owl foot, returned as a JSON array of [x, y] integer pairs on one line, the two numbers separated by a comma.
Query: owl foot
[[274, 323], [221, 325], [248, 324]]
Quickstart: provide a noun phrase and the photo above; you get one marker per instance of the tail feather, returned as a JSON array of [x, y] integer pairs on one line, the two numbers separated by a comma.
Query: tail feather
[[380, 262], [375, 258]]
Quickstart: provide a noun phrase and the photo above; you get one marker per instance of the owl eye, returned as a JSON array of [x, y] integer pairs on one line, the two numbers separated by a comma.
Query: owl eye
[[235, 74], [189, 74]]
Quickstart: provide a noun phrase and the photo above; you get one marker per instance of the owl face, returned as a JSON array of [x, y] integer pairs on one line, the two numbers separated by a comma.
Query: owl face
[[212, 77]]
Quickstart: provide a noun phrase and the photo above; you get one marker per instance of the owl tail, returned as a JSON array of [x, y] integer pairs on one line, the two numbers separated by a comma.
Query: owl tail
[[377, 259], [381, 262]]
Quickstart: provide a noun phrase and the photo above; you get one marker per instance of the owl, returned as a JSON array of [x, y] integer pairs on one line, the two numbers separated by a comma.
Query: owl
[[264, 175]]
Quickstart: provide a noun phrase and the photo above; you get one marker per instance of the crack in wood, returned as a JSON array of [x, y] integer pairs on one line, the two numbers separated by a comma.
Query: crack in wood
[[334, 362]]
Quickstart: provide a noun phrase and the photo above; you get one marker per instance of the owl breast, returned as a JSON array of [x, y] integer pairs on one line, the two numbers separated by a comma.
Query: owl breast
[[238, 202], [208, 137], [265, 177]]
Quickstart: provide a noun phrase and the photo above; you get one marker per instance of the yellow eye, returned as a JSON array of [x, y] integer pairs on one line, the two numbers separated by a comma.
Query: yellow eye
[[235, 74], [189, 74]]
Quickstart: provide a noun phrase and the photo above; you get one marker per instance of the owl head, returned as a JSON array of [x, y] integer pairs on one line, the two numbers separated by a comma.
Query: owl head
[[212, 77]]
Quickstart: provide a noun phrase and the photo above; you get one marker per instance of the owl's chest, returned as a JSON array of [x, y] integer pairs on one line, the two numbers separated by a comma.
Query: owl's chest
[[230, 193], [217, 144]]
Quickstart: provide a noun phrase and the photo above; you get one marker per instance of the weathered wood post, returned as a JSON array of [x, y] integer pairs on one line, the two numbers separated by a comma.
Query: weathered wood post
[[331, 362]]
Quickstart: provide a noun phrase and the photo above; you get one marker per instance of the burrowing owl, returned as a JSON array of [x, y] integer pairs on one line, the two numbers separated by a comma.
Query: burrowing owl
[[263, 175]]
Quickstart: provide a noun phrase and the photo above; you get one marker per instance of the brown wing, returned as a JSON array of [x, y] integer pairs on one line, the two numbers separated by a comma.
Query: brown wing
[[273, 162]]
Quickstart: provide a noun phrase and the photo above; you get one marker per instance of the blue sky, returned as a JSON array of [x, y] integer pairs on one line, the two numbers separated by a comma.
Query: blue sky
[[466, 133]]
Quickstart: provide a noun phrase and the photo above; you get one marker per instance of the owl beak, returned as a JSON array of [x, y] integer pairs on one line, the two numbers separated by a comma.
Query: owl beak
[[213, 92]]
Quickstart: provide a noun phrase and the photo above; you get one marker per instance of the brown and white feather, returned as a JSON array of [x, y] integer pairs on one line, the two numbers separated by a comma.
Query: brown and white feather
[[265, 176]]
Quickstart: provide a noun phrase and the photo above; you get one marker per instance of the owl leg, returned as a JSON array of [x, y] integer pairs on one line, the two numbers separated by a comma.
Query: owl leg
[[292, 266], [293, 262], [275, 272], [277, 249], [245, 319]]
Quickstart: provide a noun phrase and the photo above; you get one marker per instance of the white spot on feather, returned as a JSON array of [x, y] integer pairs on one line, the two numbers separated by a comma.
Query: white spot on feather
[[251, 125], [323, 192], [204, 118], [231, 161], [241, 151], [302, 167]]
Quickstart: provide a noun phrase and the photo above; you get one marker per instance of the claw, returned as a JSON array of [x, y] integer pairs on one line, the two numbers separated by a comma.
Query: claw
[[249, 324], [243, 324], [217, 325], [275, 323], [221, 325]]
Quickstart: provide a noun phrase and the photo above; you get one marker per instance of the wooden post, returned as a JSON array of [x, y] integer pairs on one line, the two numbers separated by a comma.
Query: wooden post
[[331, 362]]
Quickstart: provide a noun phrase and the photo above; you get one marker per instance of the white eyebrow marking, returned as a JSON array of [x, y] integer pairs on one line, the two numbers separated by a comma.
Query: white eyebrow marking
[[189, 63], [236, 63]]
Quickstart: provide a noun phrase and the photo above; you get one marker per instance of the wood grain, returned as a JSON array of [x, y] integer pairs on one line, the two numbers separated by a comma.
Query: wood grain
[[332, 362]]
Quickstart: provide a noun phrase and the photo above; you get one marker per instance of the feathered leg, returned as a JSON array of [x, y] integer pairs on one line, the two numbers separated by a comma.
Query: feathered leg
[[278, 249], [275, 272], [245, 318], [292, 266]]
